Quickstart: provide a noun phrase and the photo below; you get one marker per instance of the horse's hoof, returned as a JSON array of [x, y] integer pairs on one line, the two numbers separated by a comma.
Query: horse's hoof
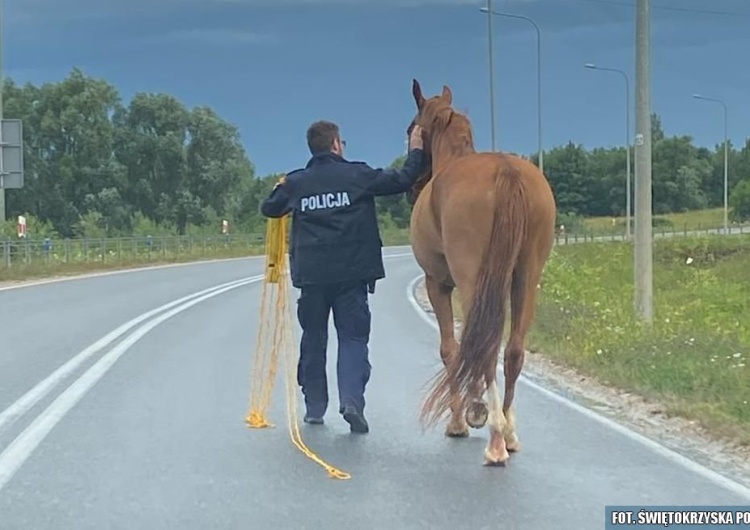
[[457, 433], [456, 428], [512, 444], [493, 460], [476, 414]]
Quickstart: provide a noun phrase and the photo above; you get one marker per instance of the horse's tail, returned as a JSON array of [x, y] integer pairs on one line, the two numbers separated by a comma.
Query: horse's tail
[[485, 322]]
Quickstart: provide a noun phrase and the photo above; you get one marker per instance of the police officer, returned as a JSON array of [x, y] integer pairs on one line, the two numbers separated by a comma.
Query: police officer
[[335, 258]]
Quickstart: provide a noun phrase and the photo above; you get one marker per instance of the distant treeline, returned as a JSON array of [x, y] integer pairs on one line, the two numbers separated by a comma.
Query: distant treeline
[[96, 166]]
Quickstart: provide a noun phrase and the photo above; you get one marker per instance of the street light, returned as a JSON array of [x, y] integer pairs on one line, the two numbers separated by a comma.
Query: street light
[[2, 185], [726, 157], [538, 74], [628, 208]]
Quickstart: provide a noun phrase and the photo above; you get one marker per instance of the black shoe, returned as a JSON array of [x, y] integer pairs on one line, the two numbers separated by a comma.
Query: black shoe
[[356, 420], [313, 420]]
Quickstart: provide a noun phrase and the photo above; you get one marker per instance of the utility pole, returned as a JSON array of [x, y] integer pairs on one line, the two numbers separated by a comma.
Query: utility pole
[[644, 288], [492, 72]]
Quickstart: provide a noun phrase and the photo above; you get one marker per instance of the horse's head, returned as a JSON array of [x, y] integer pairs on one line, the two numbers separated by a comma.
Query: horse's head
[[433, 116]]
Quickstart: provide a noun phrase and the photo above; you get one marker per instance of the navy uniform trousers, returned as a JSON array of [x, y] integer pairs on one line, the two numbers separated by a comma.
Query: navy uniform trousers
[[351, 316]]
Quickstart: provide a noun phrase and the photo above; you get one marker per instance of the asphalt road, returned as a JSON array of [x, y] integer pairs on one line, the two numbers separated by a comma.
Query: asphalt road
[[149, 433]]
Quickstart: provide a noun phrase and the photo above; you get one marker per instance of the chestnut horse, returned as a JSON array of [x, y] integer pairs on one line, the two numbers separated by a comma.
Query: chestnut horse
[[482, 223]]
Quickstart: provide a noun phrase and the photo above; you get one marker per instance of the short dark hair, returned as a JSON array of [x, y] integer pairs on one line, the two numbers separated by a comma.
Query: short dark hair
[[320, 136]]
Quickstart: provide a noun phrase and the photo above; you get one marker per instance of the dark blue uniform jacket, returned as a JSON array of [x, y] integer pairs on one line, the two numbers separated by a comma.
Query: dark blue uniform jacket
[[334, 233]]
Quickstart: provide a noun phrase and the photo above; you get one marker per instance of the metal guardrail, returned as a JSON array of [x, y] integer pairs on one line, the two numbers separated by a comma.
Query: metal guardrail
[[566, 239], [122, 250], [51, 252]]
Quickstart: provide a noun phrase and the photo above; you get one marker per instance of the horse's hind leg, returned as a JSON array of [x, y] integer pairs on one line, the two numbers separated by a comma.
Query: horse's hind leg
[[477, 410], [522, 306], [440, 298], [496, 452]]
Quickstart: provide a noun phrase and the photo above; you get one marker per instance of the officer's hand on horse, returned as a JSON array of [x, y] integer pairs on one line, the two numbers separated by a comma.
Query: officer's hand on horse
[[415, 138]]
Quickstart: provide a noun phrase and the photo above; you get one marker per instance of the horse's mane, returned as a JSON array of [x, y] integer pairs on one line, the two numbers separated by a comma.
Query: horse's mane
[[455, 128], [454, 131]]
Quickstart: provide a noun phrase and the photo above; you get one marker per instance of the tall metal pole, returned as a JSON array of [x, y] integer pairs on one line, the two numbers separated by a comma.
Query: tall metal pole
[[538, 76], [628, 207], [492, 72], [644, 289], [539, 93], [726, 159], [2, 186], [726, 174]]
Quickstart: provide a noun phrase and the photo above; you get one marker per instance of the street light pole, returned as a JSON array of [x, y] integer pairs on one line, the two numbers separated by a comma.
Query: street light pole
[[628, 207], [726, 160], [538, 75], [2, 186], [492, 72]]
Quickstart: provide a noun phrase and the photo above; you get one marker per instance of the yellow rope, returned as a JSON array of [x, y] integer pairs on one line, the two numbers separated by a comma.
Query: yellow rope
[[264, 365]]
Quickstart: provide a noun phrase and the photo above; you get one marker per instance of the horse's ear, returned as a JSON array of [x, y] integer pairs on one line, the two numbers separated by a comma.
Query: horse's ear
[[416, 91], [447, 95]]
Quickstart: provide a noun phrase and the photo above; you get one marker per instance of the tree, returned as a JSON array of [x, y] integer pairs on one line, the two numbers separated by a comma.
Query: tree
[[92, 162], [739, 201], [97, 165]]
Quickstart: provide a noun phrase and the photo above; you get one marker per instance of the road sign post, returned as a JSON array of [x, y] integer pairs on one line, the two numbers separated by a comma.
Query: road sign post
[[11, 155]]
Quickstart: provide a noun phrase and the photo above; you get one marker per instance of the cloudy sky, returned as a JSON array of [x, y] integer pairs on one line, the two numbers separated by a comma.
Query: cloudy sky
[[273, 66]]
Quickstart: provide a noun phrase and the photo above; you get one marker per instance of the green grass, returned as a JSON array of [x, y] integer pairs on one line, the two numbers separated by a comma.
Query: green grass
[[694, 358], [44, 270], [679, 222], [84, 256]]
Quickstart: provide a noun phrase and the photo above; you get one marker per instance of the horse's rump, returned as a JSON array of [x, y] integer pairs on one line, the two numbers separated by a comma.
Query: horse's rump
[[486, 208]]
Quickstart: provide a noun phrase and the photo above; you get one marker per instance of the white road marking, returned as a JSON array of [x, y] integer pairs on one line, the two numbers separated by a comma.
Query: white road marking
[[22, 405], [655, 446], [24, 445], [33, 396], [21, 448]]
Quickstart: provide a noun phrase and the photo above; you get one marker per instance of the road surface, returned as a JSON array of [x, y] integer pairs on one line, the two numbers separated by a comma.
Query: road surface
[[148, 432]]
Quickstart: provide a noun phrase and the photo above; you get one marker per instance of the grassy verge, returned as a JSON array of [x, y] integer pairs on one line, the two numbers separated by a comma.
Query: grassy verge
[[99, 256], [694, 359], [46, 270], [695, 220]]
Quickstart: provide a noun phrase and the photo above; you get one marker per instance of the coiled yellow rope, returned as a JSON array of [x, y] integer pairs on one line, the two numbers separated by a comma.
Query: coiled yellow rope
[[264, 366]]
